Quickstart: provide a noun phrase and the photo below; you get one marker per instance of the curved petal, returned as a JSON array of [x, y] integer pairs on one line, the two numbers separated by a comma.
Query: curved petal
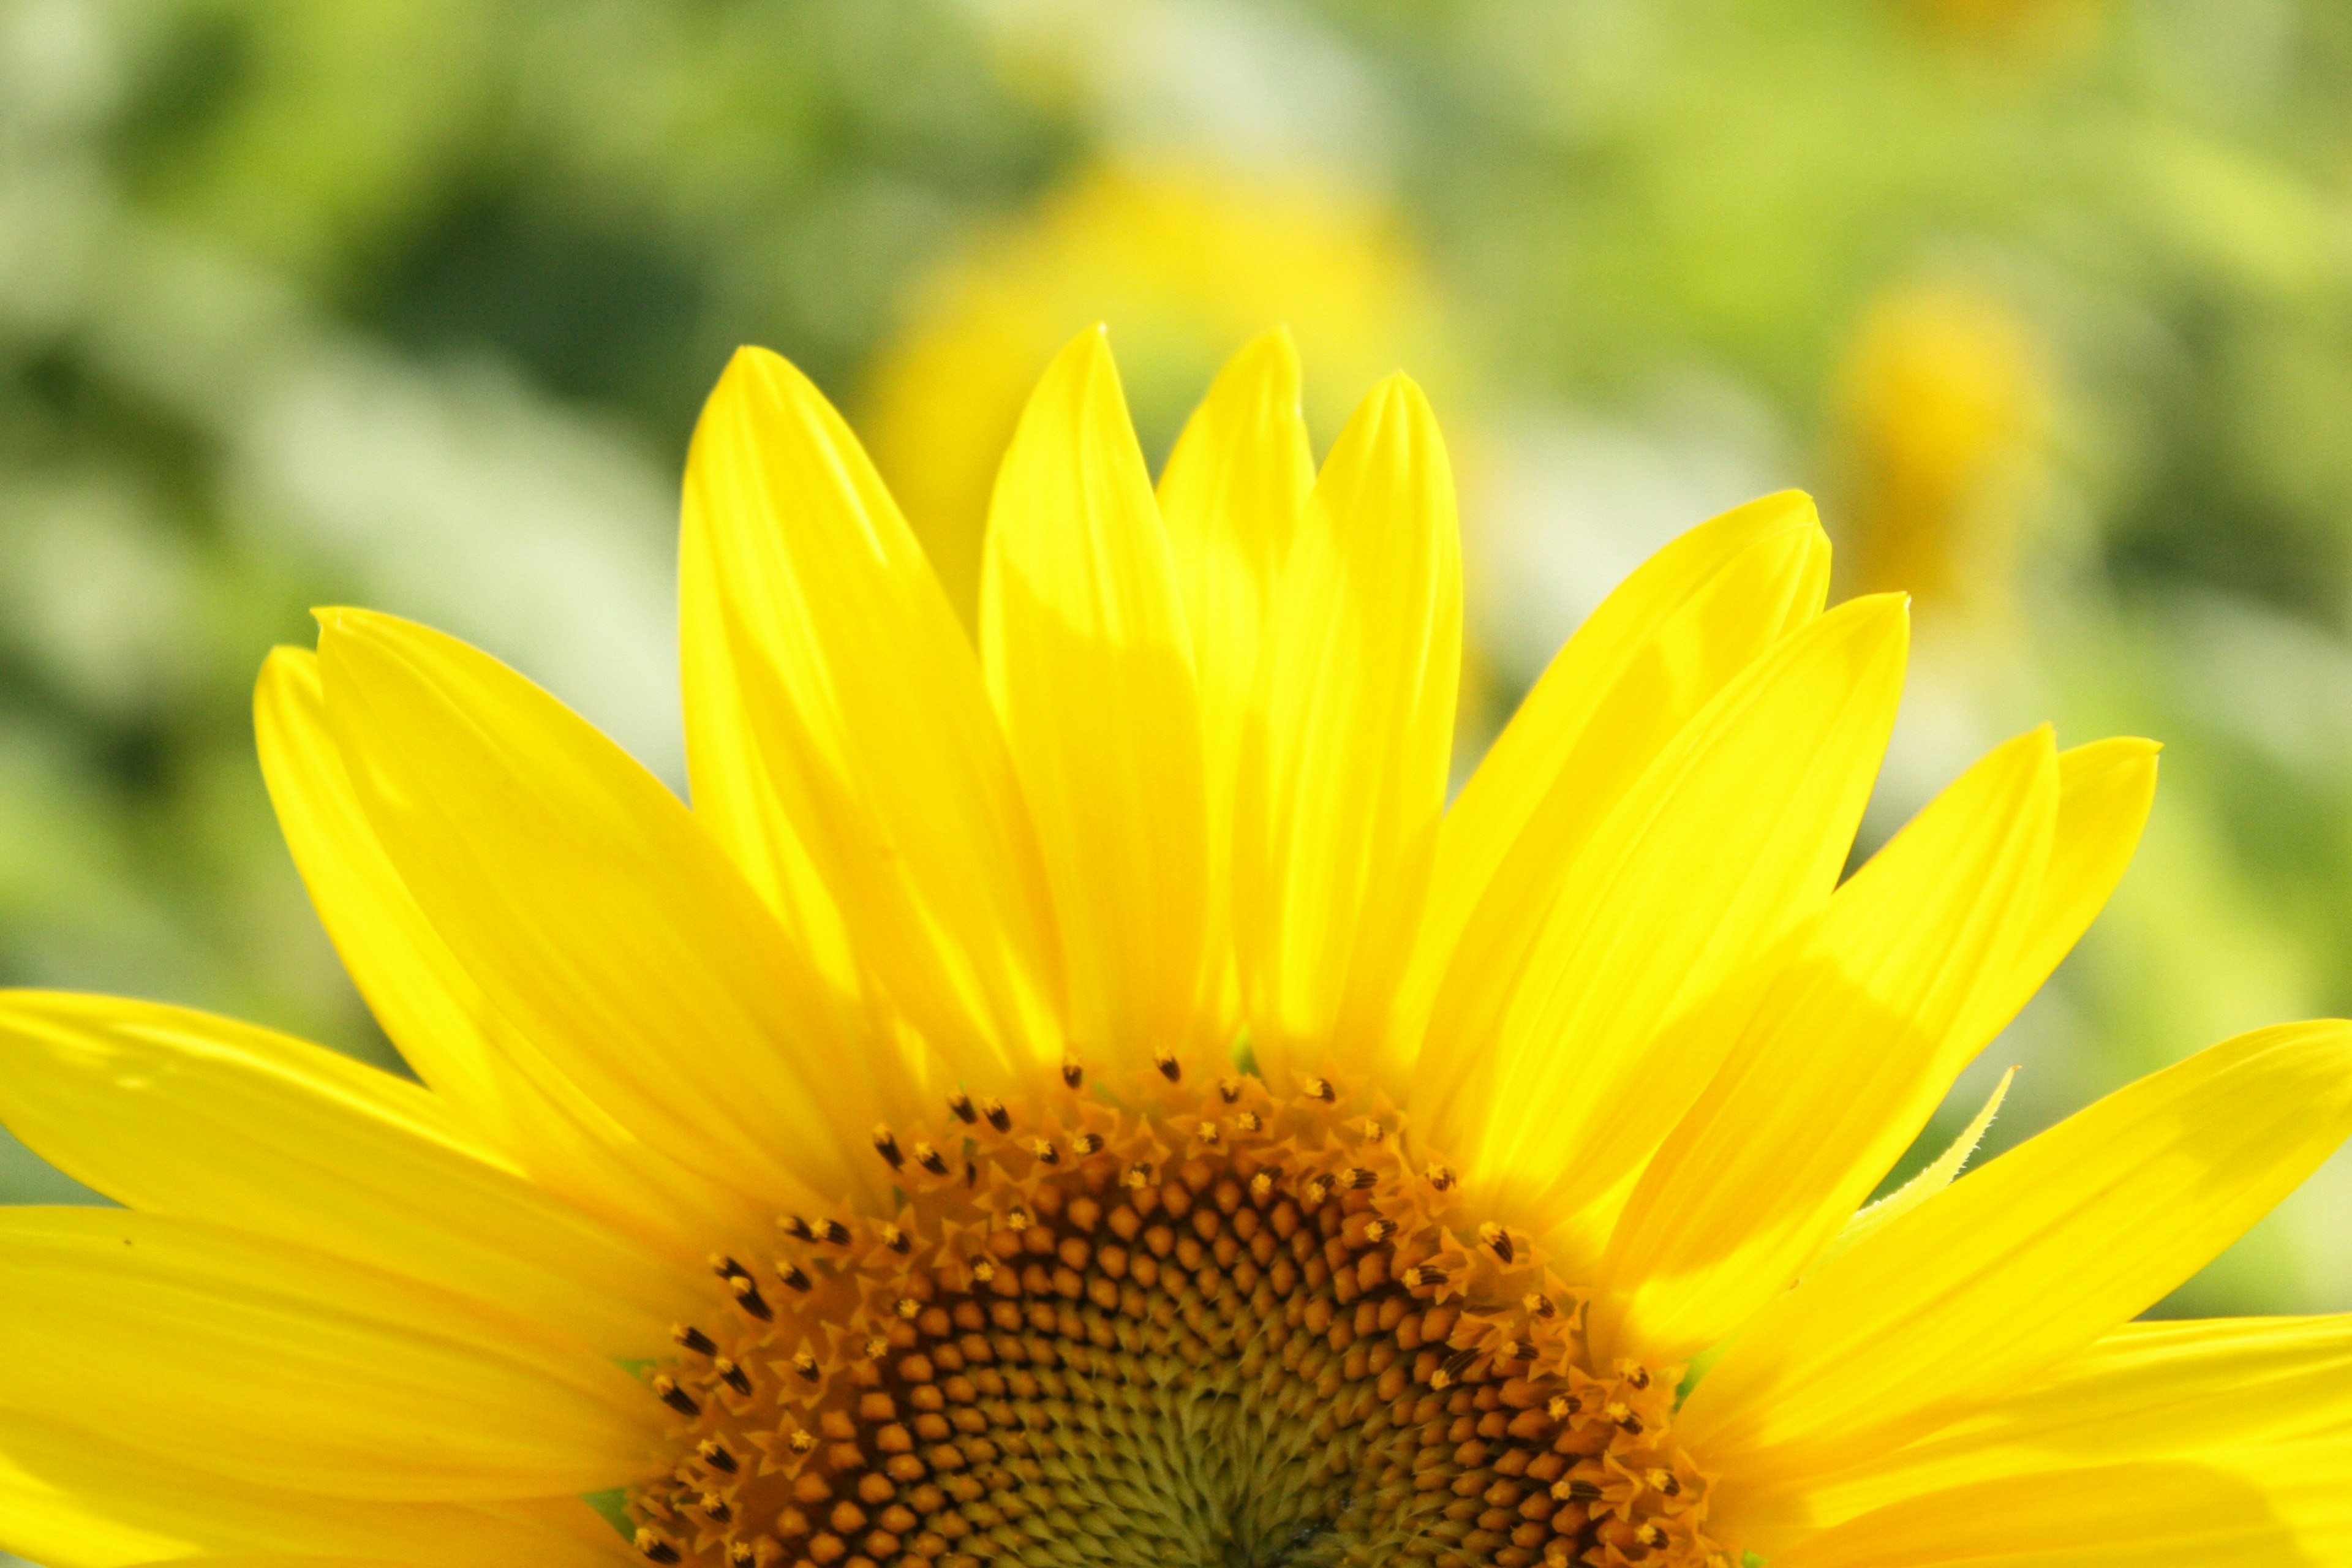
[[1088, 659], [422, 996], [839, 737], [1231, 496], [282, 1367], [1940, 1173], [2021, 1263], [1733, 835], [174, 1111], [477, 1063], [1639, 668], [71, 1499], [1343, 763], [1840, 1065], [2105, 791], [2256, 1393], [594, 912], [2145, 1515]]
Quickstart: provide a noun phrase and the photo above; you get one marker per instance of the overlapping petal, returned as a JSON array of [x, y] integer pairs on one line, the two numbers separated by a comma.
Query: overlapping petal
[[1343, 762], [479, 1065], [2153, 1515], [272, 1364], [1938, 1173], [1736, 833], [1837, 1068], [2105, 791], [1087, 656], [839, 736], [2263, 1397], [1231, 498], [70, 1498], [2019, 1264], [420, 994], [597, 916], [1640, 668], [144, 1102]]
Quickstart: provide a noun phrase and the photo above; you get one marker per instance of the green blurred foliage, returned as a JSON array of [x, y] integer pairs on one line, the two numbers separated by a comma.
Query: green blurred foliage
[[413, 303]]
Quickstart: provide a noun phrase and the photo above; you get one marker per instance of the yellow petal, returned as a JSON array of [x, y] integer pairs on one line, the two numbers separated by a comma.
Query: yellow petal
[[72, 1499], [838, 734], [1231, 496], [174, 1111], [2024, 1261], [477, 1062], [1343, 763], [275, 1560], [283, 1367], [1938, 1175], [1736, 833], [1088, 658], [1842, 1061], [597, 916], [2145, 1515], [2254, 1394], [420, 994], [2104, 790], [1641, 665]]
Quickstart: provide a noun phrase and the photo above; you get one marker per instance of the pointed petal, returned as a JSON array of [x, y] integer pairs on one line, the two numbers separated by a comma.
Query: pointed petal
[[2250, 1393], [1734, 835], [1641, 665], [2104, 790], [1940, 1173], [1343, 766], [72, 1499], [283, 1367], [1843, 1060], [2024, 1261], [838, 733], [1231, 496], [1090, 663], [477, 1062], [2145, 1515], [144, 1102], [594, 912], [420, 994]]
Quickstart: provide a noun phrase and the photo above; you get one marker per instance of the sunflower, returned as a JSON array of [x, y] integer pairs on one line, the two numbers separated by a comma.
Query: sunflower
[[1087, 1100]]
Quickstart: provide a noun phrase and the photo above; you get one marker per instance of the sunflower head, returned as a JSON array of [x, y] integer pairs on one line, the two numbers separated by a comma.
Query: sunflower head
[[1082, 1096], [1188, 1321]]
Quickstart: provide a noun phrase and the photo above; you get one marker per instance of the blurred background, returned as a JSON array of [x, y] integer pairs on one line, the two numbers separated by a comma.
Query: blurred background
[[411, 304]]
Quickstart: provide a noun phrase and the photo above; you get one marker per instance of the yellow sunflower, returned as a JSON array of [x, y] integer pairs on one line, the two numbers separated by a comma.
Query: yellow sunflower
[[1086, 1101]]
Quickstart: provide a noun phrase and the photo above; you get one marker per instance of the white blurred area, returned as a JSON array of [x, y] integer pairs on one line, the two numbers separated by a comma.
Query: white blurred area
[[453, 493], [1263, 86]]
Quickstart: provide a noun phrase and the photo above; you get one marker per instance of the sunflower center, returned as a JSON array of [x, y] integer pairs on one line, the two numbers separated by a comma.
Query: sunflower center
[[1207, 1328]]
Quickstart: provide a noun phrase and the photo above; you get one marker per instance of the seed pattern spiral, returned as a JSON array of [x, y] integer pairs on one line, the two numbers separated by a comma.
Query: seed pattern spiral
[[1170, 1325]]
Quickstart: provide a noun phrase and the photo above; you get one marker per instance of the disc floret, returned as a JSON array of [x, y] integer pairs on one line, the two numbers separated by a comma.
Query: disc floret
[[1173, 1323]]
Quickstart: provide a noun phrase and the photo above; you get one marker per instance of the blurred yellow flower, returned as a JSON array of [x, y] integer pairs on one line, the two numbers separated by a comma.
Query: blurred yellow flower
[[2033, 31], [1943, 414], [1188, 263], [873, 1165]]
